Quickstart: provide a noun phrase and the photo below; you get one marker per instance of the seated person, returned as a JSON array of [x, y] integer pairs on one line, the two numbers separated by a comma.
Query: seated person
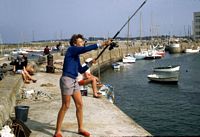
[[87, 78], [20, 65]]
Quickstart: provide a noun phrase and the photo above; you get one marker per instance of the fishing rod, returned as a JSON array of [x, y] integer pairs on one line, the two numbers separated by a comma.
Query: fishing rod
[[112, 45]]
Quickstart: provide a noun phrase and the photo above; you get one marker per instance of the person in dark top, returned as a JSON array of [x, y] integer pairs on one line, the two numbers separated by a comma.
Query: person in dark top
[[69, 85], [20, 65], [58, 46], [46, 51]]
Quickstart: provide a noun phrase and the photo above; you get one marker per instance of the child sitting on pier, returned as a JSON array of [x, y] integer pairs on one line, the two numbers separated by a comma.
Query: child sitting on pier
[[87, 78]]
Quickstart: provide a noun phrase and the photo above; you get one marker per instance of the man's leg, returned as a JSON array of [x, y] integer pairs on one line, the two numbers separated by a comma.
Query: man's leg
[[79, 112], [79, 108], [26, 80], [65, 106]]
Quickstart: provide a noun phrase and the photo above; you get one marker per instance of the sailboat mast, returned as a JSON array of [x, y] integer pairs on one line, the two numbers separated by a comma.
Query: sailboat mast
[[128, 32], [140, 26], [1, 42]]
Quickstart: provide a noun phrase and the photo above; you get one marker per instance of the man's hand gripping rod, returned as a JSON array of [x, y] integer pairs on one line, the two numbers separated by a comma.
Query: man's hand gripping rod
[[122, 28]]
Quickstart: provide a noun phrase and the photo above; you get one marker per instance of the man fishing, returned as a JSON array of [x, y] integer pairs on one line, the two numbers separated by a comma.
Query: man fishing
[[69, 85]]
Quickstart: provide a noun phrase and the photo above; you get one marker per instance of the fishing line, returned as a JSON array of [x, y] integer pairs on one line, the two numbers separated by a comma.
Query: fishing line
[[112, 45]]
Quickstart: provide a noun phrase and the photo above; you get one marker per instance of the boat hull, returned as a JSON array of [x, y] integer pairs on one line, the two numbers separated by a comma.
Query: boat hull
[[167, 69], [116, 66], [164, 79], [191, 50], [174, 48], [153, 57], [128, 60]]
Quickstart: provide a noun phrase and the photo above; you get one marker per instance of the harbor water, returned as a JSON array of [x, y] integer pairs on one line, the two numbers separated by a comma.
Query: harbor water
[[162, 109]]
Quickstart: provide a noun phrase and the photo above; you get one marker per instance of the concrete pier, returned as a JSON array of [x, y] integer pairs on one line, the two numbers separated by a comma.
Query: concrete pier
[[101, 118]]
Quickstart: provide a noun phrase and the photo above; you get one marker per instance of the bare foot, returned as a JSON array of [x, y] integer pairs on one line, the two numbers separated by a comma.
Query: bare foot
[[83, 132], [34, 80], [58, 134], [26, 81], [97, 95]]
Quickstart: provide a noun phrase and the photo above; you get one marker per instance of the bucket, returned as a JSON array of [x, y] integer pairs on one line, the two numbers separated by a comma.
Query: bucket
[[84, 92], [21, 113]]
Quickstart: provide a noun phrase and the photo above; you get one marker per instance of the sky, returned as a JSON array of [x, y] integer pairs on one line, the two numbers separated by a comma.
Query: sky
[[28, 20]]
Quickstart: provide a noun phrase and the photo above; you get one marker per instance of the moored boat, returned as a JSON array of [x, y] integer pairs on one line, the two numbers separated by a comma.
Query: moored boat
[[163, 78], [18, 51], [174, 46], [141, 55], [167, 68], [116, 66], [192, 50], [129, 59], [155, 56]]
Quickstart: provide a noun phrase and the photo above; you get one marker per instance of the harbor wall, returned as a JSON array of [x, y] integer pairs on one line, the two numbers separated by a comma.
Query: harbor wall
[[9, 89], [7, 48]]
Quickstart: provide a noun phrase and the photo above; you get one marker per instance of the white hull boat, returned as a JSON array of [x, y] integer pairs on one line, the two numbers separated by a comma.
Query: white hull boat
[[116, 66], [191, 50], [141, 55], [174, 48], [152, 54], [167, 69], [129, 59], [163, 78], [18, 51]]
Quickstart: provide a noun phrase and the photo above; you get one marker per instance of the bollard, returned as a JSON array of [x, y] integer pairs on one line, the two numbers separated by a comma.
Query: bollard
[[50, 68]]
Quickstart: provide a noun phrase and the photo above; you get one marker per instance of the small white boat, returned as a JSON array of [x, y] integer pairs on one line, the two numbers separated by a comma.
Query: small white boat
[[174, 46], [167, 69], [18, 51], [141, 55], [116, 66], [128, 59], [153, 56], [163, 78], [191, 50], [6, 55], [34, 50]]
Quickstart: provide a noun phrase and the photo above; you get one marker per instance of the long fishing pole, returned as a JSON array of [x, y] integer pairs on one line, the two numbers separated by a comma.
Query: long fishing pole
[[122, 28]]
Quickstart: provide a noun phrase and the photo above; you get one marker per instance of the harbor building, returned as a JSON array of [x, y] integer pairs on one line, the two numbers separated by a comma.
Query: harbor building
[[196, 25]]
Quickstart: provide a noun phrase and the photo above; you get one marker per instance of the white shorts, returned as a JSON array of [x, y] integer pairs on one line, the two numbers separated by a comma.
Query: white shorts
[[19, 71]]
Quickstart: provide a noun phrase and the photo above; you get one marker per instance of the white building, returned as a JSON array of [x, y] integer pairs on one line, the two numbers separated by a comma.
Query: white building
[[196, 25]]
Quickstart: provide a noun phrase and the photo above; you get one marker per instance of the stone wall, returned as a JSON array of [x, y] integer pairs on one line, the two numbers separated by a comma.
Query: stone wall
[[9, 86]]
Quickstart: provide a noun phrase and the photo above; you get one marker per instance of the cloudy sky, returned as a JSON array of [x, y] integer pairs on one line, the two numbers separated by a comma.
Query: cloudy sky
[[27, 20]]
